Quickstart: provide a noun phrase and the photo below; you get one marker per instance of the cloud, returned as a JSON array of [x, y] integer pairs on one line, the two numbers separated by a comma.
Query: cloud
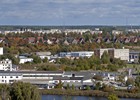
[[68, 9]]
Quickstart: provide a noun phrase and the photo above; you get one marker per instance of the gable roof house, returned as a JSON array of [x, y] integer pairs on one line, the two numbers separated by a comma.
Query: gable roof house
[[98, 40], [126, 40], [107, 40], [49, 42], [31, 40], [65, 42], [75, 41]]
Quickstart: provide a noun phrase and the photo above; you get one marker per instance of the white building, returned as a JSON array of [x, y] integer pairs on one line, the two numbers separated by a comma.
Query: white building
[[123, 54], [116, 32], [6, 65], [1, 50], [9, 77], [76, 54], [44, 55], [23, 60]]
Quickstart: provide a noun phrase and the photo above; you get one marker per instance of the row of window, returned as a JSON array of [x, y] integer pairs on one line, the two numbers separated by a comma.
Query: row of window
[[10, 76]]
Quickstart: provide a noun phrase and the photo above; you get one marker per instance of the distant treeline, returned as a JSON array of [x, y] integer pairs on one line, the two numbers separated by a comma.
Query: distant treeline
[[14, 27]]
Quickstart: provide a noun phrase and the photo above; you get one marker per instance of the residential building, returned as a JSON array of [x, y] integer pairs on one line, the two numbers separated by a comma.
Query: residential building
[[44, 55], [134, 56], [116, 32], [123, 54], [6, 65], [23, 60], [1, 50]]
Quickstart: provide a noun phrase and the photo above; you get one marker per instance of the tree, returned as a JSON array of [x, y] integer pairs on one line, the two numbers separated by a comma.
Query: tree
[[24, 91], [68, 86], [36, 59], [137, 81], [105, 58], [88, 88], [4, 92], [73, 87], [98, 86], [113, 97], [59, 85], [129, 81], [45, 60]]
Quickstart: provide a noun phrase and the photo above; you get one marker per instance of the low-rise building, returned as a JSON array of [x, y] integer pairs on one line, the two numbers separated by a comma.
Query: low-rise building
[[134, 56], [44, 55], [76, 54], [6, 65], [23, 60]]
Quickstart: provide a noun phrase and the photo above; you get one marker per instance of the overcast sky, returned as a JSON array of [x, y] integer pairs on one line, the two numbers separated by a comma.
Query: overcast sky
[[70, 12]]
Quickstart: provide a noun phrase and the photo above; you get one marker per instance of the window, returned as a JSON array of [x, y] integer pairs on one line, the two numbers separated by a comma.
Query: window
[[11, 76], [2, 76], [16, 76], [2, 80]]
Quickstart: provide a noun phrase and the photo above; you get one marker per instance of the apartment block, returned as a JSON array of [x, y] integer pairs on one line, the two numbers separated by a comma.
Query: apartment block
[[123, 54]]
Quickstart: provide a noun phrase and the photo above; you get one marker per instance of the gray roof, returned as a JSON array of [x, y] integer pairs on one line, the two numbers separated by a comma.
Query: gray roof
[[43, 53], [32, 72], [72, 83], [67, 78], [7, 73]]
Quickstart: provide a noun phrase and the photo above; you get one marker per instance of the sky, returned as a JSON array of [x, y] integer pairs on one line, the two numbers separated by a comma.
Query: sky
[[69, 12]]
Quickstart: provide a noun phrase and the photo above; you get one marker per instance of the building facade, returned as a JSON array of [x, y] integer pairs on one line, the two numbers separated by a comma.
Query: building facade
[[122, 54], [134, 56], [6, 65], [76, 54]]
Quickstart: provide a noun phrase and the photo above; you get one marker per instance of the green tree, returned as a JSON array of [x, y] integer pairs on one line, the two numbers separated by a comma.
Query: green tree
[[113, 97], [24, 91], [137, 81], [45, 60], [105, 58], [73, 87], [36, 59], [88, 88], [129, 81], [68, 86], [59, 85], [4, 92], [98, 86]]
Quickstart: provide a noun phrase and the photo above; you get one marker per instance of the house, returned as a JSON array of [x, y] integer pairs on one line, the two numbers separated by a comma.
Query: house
[[31, 40], [81, 41], [98, 40], [49, 42], [24, 59], [39, 39], [107, 40], [134, 56], [116, 32], [65, 42], [44, 55], [6, 65], [75, 41], [126, 40]]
